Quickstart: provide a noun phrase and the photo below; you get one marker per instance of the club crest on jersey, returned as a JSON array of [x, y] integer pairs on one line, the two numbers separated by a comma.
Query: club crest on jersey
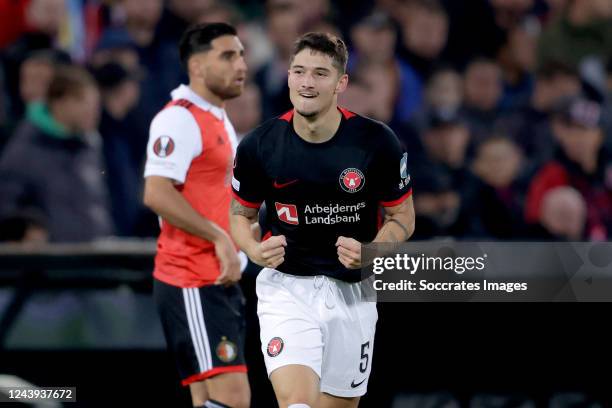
[[352, 180], [275, 346], [226, 350], [163, 146]]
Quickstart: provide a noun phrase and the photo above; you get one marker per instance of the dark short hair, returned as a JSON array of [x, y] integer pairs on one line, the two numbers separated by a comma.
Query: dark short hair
[[198, 38], [69, 80], [324, 43]]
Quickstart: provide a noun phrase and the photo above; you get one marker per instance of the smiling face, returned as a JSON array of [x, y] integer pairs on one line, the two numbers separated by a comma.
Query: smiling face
[[314, 83]]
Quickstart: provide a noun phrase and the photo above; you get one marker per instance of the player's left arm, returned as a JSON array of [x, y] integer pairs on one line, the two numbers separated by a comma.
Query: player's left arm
[[399, 223], [398, 227], [396, 198]]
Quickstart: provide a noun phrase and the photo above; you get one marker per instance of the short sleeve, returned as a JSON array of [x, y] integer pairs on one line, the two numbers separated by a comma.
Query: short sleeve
[[174, 141], [248, 177], [394, 181]]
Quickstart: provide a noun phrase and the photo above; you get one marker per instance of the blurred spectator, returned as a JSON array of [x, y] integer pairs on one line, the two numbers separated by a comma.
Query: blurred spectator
[[530, 125], [424, 28], [158, 57], [443, 93], [245, 110], [517, 60], [480, 27], [122, 142], [53, 162], [220, 12], [141, 18], [496, 191], [27, 227], [115, 45], [584, 29], [43, 21], [374, 41], [436, 205], [283, 27], [444, 90], [178, 15], [381, 92], [581, 162], [563, 215], [311, 12], [35, 74], [440, 172], [482, 95], [19, 17], [446, 142], [356, 97]]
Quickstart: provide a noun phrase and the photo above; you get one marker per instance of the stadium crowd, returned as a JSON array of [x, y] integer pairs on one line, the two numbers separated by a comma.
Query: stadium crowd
[[504, 106]]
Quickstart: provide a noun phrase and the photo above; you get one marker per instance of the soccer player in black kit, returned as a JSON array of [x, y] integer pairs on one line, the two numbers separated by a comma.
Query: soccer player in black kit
[[324, 173]]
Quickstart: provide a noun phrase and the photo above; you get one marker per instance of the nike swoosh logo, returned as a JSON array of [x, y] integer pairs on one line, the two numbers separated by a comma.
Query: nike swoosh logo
[[283, 185], [353, 385]]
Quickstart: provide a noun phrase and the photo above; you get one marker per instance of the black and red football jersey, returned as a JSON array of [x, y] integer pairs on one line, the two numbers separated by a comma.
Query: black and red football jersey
[[316, 192]]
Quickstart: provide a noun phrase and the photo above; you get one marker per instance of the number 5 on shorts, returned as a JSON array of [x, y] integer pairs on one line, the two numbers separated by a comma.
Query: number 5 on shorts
[[363, 365]]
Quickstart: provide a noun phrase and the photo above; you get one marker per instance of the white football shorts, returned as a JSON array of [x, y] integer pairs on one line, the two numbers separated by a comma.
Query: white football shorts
[[320, 322]]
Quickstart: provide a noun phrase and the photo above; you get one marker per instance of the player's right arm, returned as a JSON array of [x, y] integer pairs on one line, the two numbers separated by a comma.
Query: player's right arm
[[161, 197], [174, 142], [269, 253], [248, 188]]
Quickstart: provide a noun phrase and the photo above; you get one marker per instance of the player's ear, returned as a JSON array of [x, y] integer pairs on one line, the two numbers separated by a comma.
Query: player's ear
[[193, 67], [196, 65], [342, 84]]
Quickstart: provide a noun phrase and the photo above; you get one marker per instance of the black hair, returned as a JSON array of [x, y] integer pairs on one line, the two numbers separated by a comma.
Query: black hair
[[324, 43], [198, 38]]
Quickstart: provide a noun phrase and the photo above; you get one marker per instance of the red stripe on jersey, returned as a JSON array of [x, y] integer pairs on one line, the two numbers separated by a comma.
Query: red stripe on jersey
[[287, 116], [346, 113], [396, 202], [265, 237], [215, 371], [244, 202]]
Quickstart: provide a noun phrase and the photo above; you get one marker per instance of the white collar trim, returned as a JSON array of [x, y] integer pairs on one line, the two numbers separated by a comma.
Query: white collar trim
[[185, 92]]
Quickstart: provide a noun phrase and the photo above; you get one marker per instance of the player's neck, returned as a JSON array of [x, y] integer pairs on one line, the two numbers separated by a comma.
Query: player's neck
[[206, 94], [319, 129]]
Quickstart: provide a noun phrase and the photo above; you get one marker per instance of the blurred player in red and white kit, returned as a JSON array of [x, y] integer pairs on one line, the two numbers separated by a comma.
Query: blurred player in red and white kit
[[188, 173], [324, 173]]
